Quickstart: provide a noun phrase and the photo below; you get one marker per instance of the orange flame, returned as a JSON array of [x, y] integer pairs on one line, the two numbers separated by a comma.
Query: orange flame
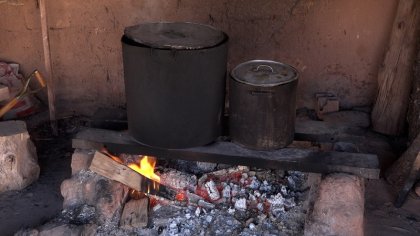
[[146, 168]]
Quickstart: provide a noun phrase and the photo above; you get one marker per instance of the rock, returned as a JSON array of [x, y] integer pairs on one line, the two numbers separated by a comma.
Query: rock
[[135, 214], [348, 118], [18, 160], [80, 160], [338, 208], [86, 187]]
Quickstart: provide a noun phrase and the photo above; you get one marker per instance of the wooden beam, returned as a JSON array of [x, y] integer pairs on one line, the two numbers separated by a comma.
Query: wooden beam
[[364, 165], [105, 166], [48, 65], [395, 76]]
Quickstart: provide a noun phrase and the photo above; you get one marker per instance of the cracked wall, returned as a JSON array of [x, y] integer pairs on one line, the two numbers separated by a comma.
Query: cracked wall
[[337, 46]]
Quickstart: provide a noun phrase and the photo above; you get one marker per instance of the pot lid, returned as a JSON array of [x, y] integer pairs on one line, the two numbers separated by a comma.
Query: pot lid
[[264, 73], [175, 35]]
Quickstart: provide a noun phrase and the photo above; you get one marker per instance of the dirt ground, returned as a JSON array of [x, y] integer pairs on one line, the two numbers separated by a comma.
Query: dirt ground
[[42, 200], [382, 218]]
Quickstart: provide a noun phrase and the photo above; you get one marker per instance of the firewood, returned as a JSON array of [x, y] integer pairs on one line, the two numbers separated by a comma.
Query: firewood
[[394, 78], [135, 214], [105, 166], [18, 160]]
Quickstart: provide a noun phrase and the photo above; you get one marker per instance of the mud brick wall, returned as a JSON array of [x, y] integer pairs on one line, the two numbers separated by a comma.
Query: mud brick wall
[[337, 45]]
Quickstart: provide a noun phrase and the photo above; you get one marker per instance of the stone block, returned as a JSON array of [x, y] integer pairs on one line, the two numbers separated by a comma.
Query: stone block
[[81, 160], [338, 208], [86, 187]]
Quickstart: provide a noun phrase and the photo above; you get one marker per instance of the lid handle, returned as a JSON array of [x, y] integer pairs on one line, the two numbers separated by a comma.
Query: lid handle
[[265, 66]]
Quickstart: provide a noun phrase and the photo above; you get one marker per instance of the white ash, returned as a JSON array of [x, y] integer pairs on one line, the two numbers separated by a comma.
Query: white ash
[[212, 190], [197, 211], [193, 198], [246, 205], [79, 215], [265, 187], [205, 204], [255, 184], [234, 190], [226, 192], [178, 180], [206, 167], [240, 204]]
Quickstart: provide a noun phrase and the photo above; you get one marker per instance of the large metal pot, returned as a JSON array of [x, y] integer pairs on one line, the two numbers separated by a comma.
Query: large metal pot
[[175, 83], [262, 104]]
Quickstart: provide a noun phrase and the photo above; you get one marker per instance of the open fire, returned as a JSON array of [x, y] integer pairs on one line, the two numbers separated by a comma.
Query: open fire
[[146, 168], [250, 198]]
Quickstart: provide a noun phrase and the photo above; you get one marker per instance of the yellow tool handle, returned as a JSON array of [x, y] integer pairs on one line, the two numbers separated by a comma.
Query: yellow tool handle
[[8, 106], [40, 79]]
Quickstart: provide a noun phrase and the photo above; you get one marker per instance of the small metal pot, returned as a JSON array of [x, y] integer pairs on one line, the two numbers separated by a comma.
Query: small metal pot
[[263, 104]]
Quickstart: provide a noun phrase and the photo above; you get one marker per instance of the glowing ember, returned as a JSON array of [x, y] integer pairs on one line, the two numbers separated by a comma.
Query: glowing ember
[[146, 168]]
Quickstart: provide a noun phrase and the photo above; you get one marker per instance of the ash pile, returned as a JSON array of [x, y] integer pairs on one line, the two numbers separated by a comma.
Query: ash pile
[[210, 199]]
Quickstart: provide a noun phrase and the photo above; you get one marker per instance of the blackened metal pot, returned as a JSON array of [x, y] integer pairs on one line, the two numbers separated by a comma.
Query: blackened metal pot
[[175, 83], [262, 102]]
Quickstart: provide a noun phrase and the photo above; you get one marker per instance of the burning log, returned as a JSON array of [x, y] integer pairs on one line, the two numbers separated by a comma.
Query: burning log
[[105, 166], [111, 169]]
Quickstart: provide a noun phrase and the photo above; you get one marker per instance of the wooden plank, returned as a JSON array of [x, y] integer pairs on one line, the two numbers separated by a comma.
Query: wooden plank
[[48, 65], [135, 214], [320, 131], [394, 78], [364, 165], [105, 166]]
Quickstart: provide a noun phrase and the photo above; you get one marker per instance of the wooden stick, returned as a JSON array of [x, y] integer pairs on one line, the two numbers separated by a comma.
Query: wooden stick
[[48, 65], [409, 182], [394, 78], [105, 166]]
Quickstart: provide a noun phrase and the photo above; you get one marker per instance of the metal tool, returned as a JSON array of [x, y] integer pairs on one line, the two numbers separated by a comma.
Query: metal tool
[[25, 91]]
